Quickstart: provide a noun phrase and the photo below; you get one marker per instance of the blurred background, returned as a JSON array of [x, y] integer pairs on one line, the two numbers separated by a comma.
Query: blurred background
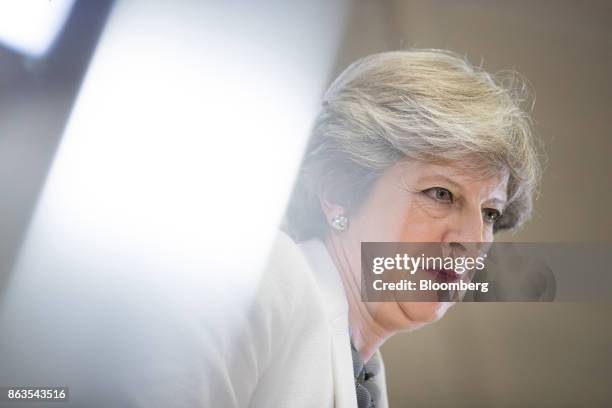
[[125, 171]]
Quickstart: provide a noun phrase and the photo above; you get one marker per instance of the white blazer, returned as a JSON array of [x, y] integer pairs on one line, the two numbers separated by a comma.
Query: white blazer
[[166, 340], [295, 348]]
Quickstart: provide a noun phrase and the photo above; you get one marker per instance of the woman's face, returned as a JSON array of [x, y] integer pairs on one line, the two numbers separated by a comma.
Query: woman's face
[[425, 202]]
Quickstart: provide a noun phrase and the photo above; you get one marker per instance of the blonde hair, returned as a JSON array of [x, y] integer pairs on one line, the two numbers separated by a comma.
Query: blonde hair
[[428, 105]]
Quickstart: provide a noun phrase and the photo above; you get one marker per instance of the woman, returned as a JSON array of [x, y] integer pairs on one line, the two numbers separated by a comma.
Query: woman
[[409, 146]]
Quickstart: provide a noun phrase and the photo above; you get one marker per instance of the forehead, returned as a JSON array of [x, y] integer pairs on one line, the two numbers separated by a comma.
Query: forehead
[[463, 176]]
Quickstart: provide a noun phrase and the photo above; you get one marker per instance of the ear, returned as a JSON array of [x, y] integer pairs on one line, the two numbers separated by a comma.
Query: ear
[[330, 208]]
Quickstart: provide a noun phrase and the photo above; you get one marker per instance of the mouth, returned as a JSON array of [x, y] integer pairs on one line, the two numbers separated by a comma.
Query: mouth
[[445, 275]]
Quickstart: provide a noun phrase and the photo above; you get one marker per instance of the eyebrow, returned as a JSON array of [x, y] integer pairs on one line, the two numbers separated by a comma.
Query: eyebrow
[[498, 201], [440, 177]]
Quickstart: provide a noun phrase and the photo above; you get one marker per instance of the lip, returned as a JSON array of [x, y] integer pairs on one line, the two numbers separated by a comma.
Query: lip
[[447, 275]]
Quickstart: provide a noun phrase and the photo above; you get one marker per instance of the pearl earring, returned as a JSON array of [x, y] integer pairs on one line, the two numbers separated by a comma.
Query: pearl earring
[[339, 222]]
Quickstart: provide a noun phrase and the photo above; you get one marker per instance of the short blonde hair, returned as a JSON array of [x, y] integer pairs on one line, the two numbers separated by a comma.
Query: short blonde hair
[[428, 105]]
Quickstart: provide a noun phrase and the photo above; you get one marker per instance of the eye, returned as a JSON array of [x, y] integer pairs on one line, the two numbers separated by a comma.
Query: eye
[[439, 194], [491, 215]]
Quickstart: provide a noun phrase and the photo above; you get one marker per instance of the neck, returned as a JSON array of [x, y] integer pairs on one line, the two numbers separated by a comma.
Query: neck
[[367, 334]]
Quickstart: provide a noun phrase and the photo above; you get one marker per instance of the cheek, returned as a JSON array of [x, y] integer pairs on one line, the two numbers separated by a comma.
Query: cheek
[[418, 224], [384, 219]]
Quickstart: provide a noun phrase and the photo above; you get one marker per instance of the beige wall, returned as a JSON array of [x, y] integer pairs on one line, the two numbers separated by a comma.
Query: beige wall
[[517, 354]]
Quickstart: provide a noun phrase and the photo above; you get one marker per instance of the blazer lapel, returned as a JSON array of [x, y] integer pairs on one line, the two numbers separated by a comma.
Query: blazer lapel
[[334, 302], [342, 362]]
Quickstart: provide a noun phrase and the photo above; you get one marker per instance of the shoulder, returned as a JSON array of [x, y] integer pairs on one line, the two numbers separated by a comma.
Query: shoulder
[[286, 255], [292, 331], [286, 285], [253, 352]]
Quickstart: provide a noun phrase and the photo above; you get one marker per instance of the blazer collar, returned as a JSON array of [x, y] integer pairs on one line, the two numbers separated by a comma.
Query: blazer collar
[[336, 309]]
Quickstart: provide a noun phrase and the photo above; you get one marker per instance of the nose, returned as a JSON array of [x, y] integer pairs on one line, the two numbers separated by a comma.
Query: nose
[[465, 227]]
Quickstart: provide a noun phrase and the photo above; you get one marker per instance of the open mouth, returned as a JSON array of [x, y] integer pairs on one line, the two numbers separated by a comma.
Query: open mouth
[[447, 275]]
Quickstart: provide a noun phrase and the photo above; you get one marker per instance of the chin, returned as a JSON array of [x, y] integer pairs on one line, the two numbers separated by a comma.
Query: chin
[[425, 312]]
